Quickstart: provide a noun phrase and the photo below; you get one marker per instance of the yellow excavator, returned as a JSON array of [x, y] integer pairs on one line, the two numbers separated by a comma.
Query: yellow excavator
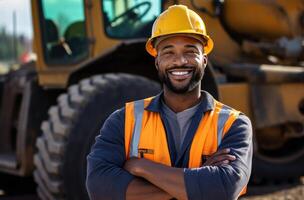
[[91, 60]]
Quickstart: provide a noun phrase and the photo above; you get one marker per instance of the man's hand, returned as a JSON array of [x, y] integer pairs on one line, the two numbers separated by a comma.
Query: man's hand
[[135, 165], [219, 158], [132, 165], [168, 179]]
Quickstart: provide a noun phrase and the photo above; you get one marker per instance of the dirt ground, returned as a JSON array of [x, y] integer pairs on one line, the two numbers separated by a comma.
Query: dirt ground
[[281, 192]]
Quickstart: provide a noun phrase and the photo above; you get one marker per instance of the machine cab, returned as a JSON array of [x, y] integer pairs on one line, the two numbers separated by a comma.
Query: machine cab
[[69, 33]]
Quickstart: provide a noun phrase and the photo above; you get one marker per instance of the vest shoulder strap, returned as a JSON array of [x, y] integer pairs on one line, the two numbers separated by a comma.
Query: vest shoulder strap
[[133, 125], [226, 118], [138, 115]]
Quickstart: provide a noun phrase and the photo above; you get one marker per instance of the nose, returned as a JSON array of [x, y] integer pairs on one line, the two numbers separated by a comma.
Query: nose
[[179, 60]]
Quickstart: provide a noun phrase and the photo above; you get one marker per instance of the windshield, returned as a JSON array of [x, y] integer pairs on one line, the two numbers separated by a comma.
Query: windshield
[[64, 31], [15, 34], [130, 18]]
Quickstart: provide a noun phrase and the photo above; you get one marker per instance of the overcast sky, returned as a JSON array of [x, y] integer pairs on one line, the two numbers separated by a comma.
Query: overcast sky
[[23, 16]]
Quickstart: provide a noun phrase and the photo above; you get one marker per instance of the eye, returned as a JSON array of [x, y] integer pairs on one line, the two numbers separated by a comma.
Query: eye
[[167, 53], [191, 52]]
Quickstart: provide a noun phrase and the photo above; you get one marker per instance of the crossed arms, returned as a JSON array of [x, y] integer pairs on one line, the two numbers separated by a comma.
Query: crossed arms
[[223, 176], [165, 182]]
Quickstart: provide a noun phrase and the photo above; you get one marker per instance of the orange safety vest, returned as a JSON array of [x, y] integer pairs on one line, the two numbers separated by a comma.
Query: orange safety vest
[[145, 134]]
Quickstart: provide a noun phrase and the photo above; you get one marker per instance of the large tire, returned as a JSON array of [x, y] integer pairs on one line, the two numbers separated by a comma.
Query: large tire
[[72, 126], [265, 171], [284, 165]]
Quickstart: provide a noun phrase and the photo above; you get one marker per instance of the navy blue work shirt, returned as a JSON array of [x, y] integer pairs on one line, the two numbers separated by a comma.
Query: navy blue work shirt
[[106, 178]]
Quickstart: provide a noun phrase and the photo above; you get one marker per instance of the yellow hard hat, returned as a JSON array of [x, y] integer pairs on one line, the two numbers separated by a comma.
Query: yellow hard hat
[[178, 19]]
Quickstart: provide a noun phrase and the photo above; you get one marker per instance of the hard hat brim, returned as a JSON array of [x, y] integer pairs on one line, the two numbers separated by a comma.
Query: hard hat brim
[[208, 44]]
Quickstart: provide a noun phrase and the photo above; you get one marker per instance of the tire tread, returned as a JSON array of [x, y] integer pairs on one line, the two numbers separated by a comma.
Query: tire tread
[[56, 130]]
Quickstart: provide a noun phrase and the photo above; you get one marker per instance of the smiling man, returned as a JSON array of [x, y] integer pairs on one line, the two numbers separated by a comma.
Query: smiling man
[[182, 143]]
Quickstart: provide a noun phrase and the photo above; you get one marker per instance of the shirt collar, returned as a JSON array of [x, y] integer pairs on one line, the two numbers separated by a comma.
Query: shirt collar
[[206, 104]]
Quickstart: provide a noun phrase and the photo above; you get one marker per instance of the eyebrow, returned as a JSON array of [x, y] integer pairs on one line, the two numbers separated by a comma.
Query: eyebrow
[[167, 47], [191, 46], [187, 46]]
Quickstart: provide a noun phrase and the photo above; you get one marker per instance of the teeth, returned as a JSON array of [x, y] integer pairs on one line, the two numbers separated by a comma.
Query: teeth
[[180, 73]]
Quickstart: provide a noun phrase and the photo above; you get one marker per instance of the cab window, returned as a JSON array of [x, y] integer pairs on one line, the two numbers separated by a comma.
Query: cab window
[[64, 31], [129, 18]]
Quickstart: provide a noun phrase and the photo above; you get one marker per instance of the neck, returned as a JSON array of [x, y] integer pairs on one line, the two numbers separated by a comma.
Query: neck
[[181, 102]]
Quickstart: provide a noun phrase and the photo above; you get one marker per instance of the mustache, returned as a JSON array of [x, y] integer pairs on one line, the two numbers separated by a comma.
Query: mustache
[[180, 67]]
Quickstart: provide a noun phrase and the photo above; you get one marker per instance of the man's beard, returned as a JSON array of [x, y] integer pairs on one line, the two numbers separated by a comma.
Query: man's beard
[[194, 81]]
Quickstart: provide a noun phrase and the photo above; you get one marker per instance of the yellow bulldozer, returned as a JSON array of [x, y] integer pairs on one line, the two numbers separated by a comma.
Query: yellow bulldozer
[[91, 60]]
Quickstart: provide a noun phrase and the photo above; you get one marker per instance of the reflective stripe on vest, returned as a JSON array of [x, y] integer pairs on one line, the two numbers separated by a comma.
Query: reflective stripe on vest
[[222, 119], [138, 114]]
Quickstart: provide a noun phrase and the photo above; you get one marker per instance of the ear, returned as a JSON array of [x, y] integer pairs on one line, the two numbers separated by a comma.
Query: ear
[[156, 62], [205, 60]]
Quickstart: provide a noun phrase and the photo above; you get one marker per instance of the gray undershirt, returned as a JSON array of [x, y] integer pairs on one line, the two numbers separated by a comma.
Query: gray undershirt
[[179, 123]]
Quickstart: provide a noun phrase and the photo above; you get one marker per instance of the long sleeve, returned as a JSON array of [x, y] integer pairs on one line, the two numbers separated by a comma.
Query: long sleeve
[[106, 178], [226, 181]]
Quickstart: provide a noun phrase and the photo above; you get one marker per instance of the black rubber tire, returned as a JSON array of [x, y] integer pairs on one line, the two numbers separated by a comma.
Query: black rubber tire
[[72, 127], [283, 166], [277, 171]]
